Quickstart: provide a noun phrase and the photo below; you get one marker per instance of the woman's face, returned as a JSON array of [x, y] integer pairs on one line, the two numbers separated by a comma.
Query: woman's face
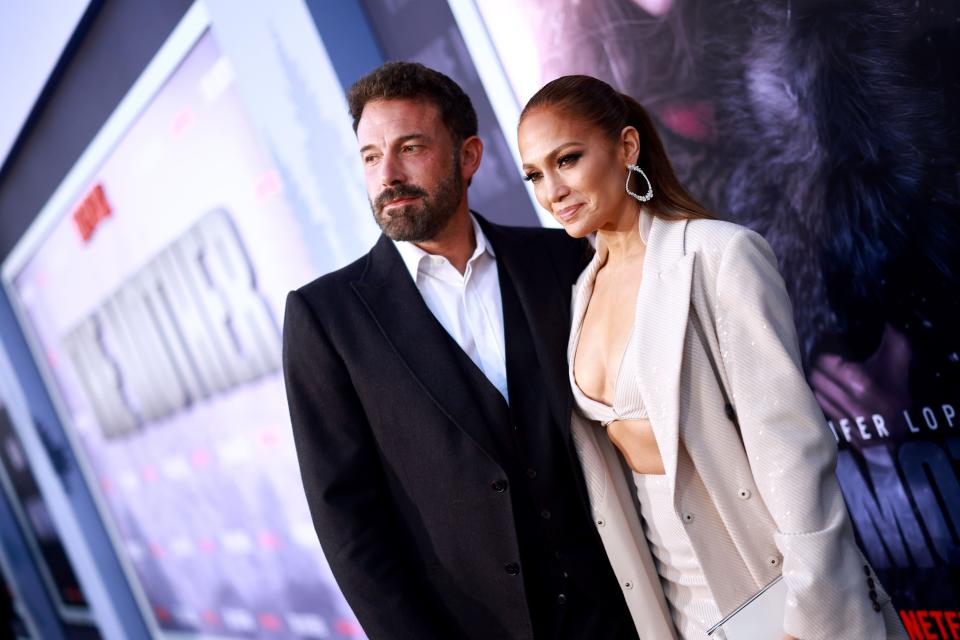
[[577, 172]]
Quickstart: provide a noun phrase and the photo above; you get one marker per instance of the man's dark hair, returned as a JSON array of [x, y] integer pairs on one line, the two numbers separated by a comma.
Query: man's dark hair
[[412, 81]]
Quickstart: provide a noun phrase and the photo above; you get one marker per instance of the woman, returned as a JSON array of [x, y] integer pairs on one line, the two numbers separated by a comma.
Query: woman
[[683, 348]]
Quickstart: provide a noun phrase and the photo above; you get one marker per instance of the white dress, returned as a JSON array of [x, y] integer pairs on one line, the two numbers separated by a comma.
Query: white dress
[[691, 603]]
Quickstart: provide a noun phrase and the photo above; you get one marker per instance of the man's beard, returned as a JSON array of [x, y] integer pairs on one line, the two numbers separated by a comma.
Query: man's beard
[[418, 222]]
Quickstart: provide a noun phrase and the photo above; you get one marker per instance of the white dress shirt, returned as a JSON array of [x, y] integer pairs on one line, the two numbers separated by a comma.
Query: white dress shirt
[[468, 306]]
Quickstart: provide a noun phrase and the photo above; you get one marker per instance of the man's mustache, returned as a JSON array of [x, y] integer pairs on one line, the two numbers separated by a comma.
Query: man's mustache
[[395, 193]]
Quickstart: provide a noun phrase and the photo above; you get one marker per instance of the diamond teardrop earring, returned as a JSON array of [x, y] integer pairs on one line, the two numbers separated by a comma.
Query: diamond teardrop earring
[[649, 194]]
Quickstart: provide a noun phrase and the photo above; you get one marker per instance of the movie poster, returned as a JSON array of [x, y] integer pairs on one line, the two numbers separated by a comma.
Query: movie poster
[[18, 482], [153, 290], [832, 129]]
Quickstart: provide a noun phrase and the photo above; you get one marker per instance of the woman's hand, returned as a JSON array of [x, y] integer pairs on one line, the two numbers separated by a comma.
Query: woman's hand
[[847, 389]]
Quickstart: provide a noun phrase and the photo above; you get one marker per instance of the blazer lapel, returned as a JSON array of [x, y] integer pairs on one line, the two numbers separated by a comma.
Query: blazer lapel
[[418, 338], [547, 312], [664, 308]]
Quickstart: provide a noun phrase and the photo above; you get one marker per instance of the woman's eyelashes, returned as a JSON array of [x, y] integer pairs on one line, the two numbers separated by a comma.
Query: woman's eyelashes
[[569, 159], [566, 160]]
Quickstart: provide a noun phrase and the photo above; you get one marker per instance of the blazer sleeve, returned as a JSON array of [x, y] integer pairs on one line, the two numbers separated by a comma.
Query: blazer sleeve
[[347, 491], [792, 456]]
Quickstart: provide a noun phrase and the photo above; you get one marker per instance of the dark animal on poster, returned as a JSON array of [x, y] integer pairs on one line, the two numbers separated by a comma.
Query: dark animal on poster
[[831, 128]]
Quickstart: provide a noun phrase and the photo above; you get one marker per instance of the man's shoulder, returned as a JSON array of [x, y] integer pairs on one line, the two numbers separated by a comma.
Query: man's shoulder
[[556, 240], [335, 283]]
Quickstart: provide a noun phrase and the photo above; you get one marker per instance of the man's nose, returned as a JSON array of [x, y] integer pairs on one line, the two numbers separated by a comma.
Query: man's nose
[[391, 171]]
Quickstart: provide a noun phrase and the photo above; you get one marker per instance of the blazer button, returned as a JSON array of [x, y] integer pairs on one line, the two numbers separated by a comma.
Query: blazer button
[[744, 494], [499, 485], [512, 568], [562, 598]]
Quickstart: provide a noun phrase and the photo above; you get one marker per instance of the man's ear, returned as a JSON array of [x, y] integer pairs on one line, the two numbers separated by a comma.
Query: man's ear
[[471, 152]]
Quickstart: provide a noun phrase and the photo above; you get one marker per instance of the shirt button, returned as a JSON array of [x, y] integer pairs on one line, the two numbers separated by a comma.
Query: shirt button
[[499, 485], [562, 598], [744, 494], [601, 522], [531, 473], [512, 568], [545, 514], [628, 585], [687, 517], [773, 561]]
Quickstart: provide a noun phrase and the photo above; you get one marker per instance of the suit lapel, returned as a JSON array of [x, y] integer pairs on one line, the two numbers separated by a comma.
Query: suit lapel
[[392, 297], [665, 305], [547, 312]]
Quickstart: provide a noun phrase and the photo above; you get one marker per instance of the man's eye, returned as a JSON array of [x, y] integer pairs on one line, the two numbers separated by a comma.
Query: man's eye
[[533, 176], [369, 159], [409, 148], [568, 159]]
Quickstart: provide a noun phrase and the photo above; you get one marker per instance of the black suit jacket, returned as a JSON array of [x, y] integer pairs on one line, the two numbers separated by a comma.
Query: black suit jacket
[[399, 468]]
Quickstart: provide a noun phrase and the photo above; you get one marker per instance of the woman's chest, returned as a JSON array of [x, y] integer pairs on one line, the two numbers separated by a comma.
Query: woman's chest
[[606, 329]]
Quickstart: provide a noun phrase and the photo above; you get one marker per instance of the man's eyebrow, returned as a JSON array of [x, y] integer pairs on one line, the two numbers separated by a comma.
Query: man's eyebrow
[[405, 138], [412, 136], [556, 151]]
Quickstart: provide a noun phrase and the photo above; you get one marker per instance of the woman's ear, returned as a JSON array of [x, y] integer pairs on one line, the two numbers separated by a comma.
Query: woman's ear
[[629, 145]]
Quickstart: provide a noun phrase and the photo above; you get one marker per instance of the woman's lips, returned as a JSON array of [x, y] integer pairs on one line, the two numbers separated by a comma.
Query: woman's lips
[[569, 212]]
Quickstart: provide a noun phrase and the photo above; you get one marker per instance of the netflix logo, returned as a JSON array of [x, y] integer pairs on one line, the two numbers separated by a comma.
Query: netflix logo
[[931, 625], [91, 212]]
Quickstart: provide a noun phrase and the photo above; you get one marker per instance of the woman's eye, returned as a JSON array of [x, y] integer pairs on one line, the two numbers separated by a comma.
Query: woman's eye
[[568, 159], [533, 176]]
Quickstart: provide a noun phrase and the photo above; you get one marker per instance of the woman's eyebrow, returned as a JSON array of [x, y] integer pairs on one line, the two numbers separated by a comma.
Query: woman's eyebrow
[[556, 150]]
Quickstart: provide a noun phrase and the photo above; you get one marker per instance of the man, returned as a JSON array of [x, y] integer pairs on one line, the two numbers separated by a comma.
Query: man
[[428, 393]]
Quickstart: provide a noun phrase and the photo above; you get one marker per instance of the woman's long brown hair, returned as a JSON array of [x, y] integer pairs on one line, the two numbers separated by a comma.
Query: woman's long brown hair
[[596, 102]]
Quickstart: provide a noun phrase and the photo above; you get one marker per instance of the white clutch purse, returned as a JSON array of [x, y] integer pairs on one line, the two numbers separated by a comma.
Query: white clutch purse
[[759, 618]]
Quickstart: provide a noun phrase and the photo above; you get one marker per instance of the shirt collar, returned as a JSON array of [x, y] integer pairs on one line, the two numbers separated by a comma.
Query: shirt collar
[[412, 255]]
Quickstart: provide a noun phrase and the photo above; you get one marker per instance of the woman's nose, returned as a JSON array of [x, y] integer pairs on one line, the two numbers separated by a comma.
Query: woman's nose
[[557, 190]]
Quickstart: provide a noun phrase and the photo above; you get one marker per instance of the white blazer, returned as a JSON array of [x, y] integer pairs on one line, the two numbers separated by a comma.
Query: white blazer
[[756, 500]]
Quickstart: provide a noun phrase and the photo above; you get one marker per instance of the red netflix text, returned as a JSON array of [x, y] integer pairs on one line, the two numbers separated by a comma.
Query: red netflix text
[[931, 625], [93, 210]]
